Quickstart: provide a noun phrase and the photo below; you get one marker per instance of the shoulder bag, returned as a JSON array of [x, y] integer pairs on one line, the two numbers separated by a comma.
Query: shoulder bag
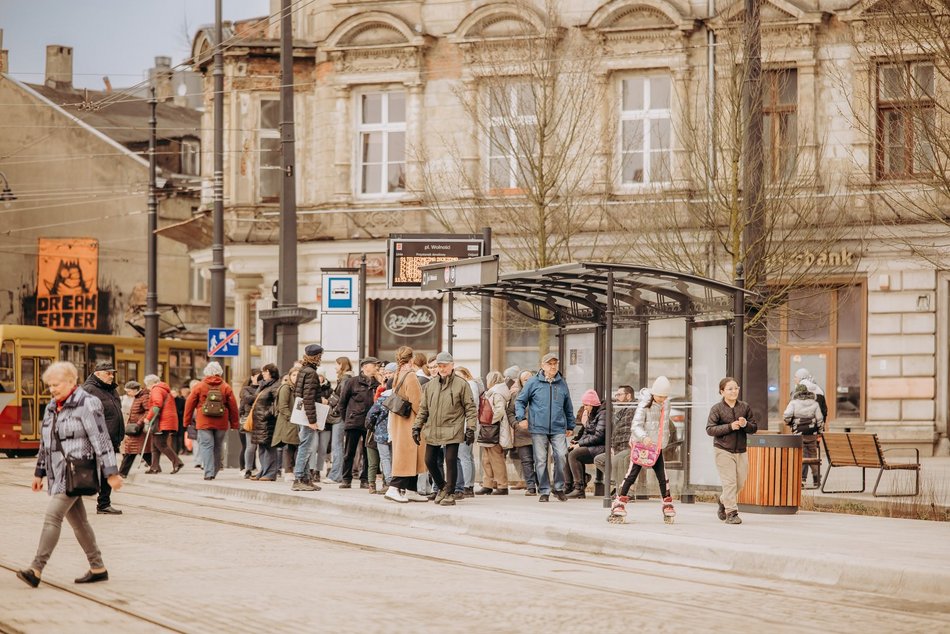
[[81, 475], [397, 404]]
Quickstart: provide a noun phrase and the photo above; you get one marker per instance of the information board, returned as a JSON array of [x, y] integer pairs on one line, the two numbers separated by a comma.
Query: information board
[[406, 253]]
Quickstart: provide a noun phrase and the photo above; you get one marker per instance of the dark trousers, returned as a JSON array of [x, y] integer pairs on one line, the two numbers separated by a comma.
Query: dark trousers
[[574, 475], [162, 445], [351, 444], [288, 458], [634, 471], [810, 450], [243, 438], [409, 483], [433, 463], [127, 460], [104, 500], [526, 455]]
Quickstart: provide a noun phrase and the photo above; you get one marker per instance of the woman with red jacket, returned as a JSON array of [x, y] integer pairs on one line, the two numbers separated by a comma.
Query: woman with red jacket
[[162, 420], [215, 409]]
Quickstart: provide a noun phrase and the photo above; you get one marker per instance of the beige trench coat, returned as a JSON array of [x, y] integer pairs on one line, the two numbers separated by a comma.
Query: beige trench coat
[[408, 459]]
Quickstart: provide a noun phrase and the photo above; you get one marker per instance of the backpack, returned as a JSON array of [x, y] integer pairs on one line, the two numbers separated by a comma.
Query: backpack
[[213, 406], [486, 415]]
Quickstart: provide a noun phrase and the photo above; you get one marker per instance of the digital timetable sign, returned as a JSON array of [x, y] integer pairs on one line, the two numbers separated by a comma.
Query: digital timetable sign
[[407, 252]]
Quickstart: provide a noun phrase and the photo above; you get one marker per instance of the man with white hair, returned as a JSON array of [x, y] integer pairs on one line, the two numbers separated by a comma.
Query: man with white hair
[[804, 377], [216, 410]]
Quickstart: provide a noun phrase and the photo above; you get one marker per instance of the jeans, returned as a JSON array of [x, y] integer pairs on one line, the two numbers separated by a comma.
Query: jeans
[[250, 451], [576, 475], [62, 506], [558, 445], [336, 453], [308, 438], [385, 460], [467, 458], [210, 443], [324, 438], [526, 455], [267, 456]]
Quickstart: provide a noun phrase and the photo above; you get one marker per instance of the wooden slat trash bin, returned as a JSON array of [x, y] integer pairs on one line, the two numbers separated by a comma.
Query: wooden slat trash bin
[[774, 484]]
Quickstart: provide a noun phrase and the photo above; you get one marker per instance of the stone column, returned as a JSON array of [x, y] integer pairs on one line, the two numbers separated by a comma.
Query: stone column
[[343, 150], [414, 128], [246, 292]]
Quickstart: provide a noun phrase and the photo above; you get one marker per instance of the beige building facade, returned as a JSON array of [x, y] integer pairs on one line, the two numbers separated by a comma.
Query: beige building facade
[[388, 140]]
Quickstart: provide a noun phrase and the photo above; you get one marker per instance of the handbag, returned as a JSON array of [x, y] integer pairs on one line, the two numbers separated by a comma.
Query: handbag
[[134, 429], [81, 475], [397, 404], [647, 456], [191, 431], [489, 434]]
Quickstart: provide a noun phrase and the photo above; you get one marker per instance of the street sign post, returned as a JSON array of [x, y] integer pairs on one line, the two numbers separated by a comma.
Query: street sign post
[[223, 342]]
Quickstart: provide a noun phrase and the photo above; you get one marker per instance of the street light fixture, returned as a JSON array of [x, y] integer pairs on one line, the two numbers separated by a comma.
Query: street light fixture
[[6, 195]]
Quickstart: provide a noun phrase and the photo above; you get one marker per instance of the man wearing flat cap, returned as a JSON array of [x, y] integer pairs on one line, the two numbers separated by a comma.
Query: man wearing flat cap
[[101, 384], [356, 398], [546, 402]]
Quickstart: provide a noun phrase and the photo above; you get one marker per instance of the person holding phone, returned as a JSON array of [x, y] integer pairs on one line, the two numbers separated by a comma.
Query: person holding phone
[[730, 422]]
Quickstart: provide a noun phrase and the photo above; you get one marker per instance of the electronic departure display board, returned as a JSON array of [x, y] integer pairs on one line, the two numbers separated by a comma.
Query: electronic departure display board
[[407, 252]]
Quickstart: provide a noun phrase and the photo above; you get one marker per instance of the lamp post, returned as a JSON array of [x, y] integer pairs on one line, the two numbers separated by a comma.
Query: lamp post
[[217, 267], [151, 297]]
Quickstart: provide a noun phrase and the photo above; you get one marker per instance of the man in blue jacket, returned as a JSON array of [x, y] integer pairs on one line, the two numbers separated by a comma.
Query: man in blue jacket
[[546, 402]]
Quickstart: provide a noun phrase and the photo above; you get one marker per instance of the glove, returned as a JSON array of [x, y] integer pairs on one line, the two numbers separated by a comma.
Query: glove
[[415, 436], [469, 436]]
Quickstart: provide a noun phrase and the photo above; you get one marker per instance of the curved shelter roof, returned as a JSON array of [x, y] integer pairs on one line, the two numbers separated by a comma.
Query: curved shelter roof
[[577, 294]]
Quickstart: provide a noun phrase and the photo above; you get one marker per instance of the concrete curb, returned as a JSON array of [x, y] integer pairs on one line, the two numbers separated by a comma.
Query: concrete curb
[[864, 571]]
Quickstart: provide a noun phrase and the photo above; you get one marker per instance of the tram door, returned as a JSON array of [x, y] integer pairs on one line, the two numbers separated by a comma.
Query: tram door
[[33, 396]]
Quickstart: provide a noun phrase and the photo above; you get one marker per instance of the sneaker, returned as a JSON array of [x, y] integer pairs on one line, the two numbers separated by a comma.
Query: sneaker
[[302, 485], [346, 485], [484, 491], [468, 492], [561, 497], [500, 492], [247, 475], [330, 481], [441, 495], [733, 518], [364, 485], [576, 493], [414, 496], [392, 493], [721, 513], [448, 500], [543, 498], [530, 492], [316, 487]]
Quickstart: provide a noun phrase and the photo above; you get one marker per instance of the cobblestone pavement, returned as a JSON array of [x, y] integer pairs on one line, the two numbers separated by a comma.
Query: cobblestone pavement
[[188, 561]]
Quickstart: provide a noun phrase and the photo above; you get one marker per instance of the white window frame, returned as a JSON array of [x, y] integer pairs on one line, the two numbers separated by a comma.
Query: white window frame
[[387, 128], [510, 120], [647, 115], [191, 153], [198, 286], [265, 133]]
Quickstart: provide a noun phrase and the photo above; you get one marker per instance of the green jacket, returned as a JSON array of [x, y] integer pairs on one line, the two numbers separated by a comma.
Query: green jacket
[[285, 432], [447, 408]]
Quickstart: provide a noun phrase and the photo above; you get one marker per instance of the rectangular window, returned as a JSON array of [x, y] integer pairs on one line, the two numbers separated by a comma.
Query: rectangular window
[[75, 353], [197, 286], [381, 137], [7, 377], [905, 119], [190, 157], [780, 123], [269, 154], [512, 136], [646, 130]]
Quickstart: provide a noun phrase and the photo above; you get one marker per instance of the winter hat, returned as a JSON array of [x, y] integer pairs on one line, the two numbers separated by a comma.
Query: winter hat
[[801, 388], [661, 387], [590, 398], [391, 367], [512, 373], [802, 373]]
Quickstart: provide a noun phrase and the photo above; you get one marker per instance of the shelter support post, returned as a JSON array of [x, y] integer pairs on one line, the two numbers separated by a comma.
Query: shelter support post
[[738, 328], [686, 494], [608, 379], [451, 323], [599, 358], [644, 354]]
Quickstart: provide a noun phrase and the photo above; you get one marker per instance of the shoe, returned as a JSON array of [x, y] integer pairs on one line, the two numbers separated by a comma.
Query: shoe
[[198, 466], [392, 493], [577, 494], [432, 496], [151, 471], [315, 476], [441, 495], [561, 497], [414, 496], [364, 485], [247, 475], [468, 492], [346, 485], [448, 500], [484, 491], [28, 576], [178, 468], [530, 492], [543, 498], [733, 518], [500, 492], [302, 485], [315, 487], [330, 481], [274, 479], [108, 511], [93, 577], [253, 478], [721, 513], [209, 477]]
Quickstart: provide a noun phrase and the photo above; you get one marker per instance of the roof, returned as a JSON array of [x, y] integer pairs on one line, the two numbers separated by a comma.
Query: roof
[[577, 294], [124, 118]]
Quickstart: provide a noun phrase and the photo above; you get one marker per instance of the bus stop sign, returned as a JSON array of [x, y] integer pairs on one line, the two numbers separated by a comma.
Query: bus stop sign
[[223, 342]]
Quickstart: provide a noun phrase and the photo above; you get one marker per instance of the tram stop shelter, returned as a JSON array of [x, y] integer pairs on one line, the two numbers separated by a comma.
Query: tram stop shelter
[[602, 313]]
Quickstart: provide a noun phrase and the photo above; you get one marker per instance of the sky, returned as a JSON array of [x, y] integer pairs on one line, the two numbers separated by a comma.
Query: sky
[[115, 38]]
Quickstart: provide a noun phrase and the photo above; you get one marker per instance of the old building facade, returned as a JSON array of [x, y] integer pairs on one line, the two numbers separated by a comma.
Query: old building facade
[[411, 117]]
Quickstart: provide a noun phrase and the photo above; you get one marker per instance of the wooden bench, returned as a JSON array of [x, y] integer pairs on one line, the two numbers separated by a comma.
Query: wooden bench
[[864, 451]]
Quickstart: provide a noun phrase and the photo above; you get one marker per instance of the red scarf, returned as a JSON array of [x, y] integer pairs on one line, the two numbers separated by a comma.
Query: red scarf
[[60, 403]]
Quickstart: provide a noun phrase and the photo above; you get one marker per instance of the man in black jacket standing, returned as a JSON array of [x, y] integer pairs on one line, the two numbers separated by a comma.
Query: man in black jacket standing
[[101, 384], [355, 400]]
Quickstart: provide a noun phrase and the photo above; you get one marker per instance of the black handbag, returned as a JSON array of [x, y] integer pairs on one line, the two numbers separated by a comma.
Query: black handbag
[[81, 475], [489, 434], [134, 429], [397, 404]]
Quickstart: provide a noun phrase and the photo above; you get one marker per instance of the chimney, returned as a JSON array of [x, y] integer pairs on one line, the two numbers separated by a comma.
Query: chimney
[[162, 78], [59, 66], [105, 80], [4, 56]]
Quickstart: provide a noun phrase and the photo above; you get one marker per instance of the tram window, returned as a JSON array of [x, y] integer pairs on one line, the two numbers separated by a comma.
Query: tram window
[[27, 417], [75, 353], [45, 362], [6, 367], [126, 371], [180, 367], [27, 377], [100, 352]]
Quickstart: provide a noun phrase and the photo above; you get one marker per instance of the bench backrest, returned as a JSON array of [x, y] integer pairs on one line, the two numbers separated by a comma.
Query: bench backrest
[[867, 450], [838, 449]]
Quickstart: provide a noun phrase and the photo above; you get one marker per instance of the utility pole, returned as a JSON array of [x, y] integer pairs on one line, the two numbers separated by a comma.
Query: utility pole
[[217, 232], [753, 208], [151, 296], [486, 315], [288, 314]]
